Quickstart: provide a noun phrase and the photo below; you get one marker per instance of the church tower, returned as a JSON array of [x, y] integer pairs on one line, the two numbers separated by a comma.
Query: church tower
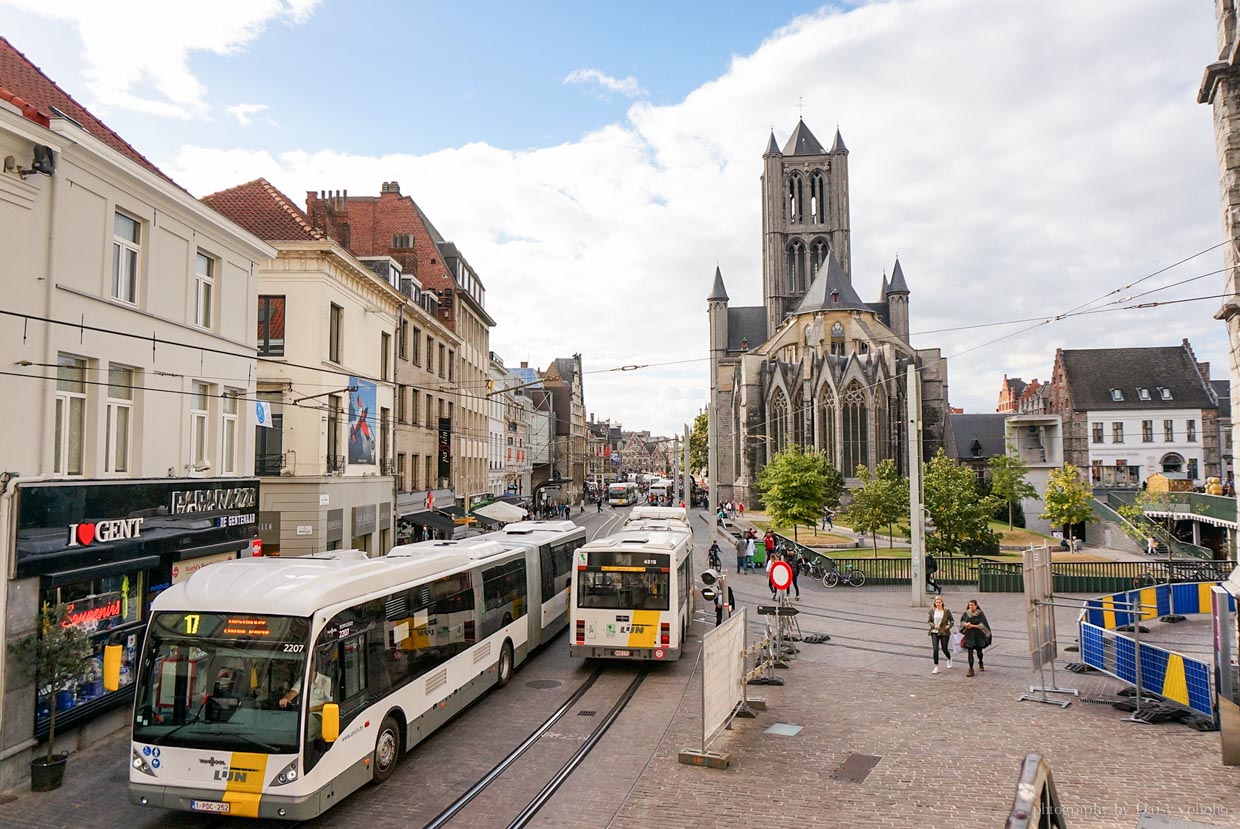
[[896, 295], [717, 312], [804, 218]]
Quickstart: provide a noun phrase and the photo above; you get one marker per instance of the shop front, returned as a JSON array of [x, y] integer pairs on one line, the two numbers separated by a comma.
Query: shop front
[[103, 550], [420, 517]]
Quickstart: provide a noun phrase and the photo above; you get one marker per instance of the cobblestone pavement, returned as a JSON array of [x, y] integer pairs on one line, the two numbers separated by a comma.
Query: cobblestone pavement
[[950, 746]]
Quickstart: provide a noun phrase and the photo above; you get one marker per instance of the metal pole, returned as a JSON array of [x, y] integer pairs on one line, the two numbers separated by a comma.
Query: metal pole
[[917, 507], [712, 461], [688, 494]]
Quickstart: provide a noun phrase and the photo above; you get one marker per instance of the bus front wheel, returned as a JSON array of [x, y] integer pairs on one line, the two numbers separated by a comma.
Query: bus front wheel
[[387, 749], [503, 671]]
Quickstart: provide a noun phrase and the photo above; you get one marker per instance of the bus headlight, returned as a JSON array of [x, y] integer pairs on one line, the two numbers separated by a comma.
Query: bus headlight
[[287, 775], [141, 765]]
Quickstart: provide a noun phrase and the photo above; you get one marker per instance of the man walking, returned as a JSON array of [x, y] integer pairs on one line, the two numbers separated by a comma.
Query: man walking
[[749, 545], [741, 545], [932, 567]]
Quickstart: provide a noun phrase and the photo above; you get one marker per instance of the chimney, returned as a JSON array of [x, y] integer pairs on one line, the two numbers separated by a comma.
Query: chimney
[[390, 187], [524, 364]]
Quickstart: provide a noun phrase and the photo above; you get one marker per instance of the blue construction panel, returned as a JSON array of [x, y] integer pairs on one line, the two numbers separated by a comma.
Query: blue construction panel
[[1093, 612], [1153, 668], [1197, 675], [1091, 645], [1125, 660], [1186, 598], [1163, 592]]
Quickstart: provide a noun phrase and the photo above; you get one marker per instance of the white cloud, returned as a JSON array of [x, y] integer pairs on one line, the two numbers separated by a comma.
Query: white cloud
[[137, 57], [628, 87], [1017, 168], [244, 113]]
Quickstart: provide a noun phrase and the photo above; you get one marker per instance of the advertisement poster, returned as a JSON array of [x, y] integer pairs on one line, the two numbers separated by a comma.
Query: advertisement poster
[[362, 412], [444, 469]]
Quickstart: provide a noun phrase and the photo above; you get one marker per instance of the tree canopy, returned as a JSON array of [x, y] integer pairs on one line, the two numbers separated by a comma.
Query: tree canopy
[[793, 488], [698, 439], [1067, 498], [880, 501], [961, 518], [833, 484], [1008, 484]]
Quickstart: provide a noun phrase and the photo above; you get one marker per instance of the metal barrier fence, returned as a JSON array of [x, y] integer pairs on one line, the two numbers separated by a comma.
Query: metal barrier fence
[[1190, 682], [1102, 576]]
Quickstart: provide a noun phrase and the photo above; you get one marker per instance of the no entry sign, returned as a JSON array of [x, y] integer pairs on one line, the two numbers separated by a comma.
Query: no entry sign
[[781, 575]]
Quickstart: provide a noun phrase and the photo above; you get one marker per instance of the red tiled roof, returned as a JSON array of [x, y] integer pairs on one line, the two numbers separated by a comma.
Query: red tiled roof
[[263, 210], [24, 85]]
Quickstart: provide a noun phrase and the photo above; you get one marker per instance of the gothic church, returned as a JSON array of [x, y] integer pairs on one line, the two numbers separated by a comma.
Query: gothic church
[[815, 364]]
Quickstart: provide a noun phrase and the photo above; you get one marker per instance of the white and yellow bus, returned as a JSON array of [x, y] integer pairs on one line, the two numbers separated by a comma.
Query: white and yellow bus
[[388, 648], [622, 494], [633, 597]]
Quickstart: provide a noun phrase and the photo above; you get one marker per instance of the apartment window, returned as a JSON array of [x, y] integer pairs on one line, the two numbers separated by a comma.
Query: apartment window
[[1117, 432], [199, 401], [402, 342], [400, 472], [333, 431], [269, 440], [385, 354], [1097, 429], [70, 415], [1164, 393], [1191, 431], [228, 431], [204, 285], [126, 248], [452, 366], [119, 417], [1192, 469], [429, 413], [442, 403], [417, 346], [1117, 395], [335, 324], [430, 354], [442, 362], [414, 468], [385, 427], [402, 415], [430, 480], [271, 326], [1147, 431], [413, 410], [1169, 431], [1143, 393]]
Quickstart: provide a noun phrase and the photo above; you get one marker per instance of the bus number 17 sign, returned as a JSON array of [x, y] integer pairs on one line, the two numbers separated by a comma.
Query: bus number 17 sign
[[781, 575]]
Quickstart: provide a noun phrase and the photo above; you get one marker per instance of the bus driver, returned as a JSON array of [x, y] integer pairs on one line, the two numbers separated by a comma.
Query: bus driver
[[320, 689]]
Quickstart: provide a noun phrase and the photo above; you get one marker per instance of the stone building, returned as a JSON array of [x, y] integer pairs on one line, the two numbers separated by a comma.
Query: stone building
[[569, 453], [815, 365]]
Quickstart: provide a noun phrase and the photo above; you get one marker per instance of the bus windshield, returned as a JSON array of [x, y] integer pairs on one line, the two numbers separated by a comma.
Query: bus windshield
[[215, 680], [627, 590]]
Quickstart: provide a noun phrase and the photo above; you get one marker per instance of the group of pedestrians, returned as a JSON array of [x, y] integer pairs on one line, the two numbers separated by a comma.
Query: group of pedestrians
[[974, 631]]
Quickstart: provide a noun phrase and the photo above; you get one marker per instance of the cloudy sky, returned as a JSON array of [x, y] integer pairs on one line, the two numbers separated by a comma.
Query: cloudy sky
[[595, 163]]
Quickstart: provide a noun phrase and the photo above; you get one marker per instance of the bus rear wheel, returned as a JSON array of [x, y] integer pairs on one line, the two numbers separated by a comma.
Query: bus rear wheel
[[503, 671], [387, 749]]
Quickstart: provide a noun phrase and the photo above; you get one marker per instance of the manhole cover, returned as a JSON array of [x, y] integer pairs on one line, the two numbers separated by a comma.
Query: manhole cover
[[586, 713], [856, 768], [785, 729], [543, 683]]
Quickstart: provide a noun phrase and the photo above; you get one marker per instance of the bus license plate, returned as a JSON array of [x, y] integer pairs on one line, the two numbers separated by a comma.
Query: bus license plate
[[209, 806], [621, 653]]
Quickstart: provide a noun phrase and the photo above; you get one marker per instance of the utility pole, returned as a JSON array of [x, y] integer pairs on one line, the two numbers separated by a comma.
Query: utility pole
[[688, 477], [712, 460], [916, 500]]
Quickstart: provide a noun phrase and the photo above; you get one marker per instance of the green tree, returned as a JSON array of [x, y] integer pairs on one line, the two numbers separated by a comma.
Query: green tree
[[1067, 499], [1008, 484], [1160, 502], [880, 501], [56, 654], [792, 487], [698, 439], [961, 517], [833, 483]]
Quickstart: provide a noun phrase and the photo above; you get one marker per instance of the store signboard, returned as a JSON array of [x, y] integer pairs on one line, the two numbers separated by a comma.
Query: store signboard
[[335, 525], [77, 524], [364, 520], [182, 570]]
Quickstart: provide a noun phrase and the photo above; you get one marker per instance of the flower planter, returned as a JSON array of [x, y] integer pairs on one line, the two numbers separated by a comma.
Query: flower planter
[[47, 776]]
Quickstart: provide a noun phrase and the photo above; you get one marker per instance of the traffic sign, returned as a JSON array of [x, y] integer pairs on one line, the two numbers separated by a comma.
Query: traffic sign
[[708, 594], [781, 575], [771, 610]]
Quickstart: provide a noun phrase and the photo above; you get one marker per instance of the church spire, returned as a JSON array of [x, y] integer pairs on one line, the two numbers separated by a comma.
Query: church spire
[[883, 295], [831, 291], [898, 285], [803, 142], [717, 291], [837, 146], [771, 147]]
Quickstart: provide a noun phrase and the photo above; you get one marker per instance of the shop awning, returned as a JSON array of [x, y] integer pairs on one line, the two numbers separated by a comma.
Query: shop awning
[[431, 519], [499, 511], [454, 511]]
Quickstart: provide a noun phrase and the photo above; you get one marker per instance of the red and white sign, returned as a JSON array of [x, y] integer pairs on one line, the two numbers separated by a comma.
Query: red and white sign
[[88, 532], [658, 654], [256, 547], [781, 575]]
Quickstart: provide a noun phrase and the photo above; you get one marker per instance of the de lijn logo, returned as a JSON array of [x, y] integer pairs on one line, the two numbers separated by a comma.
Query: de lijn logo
[[87, 533]]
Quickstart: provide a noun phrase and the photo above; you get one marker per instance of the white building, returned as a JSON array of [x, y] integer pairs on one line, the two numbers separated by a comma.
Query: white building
[[129, 336]]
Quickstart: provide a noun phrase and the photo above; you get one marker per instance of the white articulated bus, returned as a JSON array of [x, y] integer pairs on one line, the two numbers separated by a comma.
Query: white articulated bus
[[275, 687], [553, 543], [675, 519], [622, 494], [633, 597]]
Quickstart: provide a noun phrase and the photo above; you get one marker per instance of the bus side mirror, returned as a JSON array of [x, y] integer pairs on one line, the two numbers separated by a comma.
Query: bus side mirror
[[112, 667], [331, 722]]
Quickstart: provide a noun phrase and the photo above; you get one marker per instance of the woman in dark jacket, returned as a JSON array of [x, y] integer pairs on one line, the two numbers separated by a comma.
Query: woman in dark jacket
[[976, 632]]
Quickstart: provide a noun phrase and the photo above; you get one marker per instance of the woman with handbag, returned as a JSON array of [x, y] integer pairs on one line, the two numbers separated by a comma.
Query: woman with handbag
[[940, 622], [976, 632]]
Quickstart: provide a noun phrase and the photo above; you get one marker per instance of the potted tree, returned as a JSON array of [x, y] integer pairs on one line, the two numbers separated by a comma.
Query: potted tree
[[56, 654]]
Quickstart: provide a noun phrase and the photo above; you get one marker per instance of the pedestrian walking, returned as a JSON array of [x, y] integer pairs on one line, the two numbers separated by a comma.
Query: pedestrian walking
[[721, 605], [749, 562], [797, 561], [932, 567], [1151, 546], [976, 632], [740, 509], [770, 582], [824, 518], [940, 622], [741, 544], [600, 504]]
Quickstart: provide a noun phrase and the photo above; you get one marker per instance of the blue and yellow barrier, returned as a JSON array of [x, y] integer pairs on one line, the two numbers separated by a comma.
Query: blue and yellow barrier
[[1179, 678]]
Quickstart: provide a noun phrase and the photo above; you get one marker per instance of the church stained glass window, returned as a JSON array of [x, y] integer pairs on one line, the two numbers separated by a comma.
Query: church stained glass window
[[856, 429]]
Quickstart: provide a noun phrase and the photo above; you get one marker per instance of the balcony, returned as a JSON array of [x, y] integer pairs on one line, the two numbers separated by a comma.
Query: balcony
[[269, 465], [335, 464]]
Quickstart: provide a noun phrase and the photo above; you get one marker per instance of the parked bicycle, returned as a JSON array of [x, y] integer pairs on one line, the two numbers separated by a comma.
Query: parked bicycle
[[852, 576]]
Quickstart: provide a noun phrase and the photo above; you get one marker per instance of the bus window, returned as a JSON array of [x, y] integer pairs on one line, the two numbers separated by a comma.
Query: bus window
[[504, 594]]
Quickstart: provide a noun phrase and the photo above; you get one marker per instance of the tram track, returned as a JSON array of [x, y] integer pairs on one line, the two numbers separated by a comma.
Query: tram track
[[540, 737]]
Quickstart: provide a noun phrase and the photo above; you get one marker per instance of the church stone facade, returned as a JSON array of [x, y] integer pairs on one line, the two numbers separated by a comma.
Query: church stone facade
[[815, 365]]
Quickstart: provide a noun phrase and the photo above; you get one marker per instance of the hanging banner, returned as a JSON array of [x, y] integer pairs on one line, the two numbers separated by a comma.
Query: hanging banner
[[361, 417], [445, 448]]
